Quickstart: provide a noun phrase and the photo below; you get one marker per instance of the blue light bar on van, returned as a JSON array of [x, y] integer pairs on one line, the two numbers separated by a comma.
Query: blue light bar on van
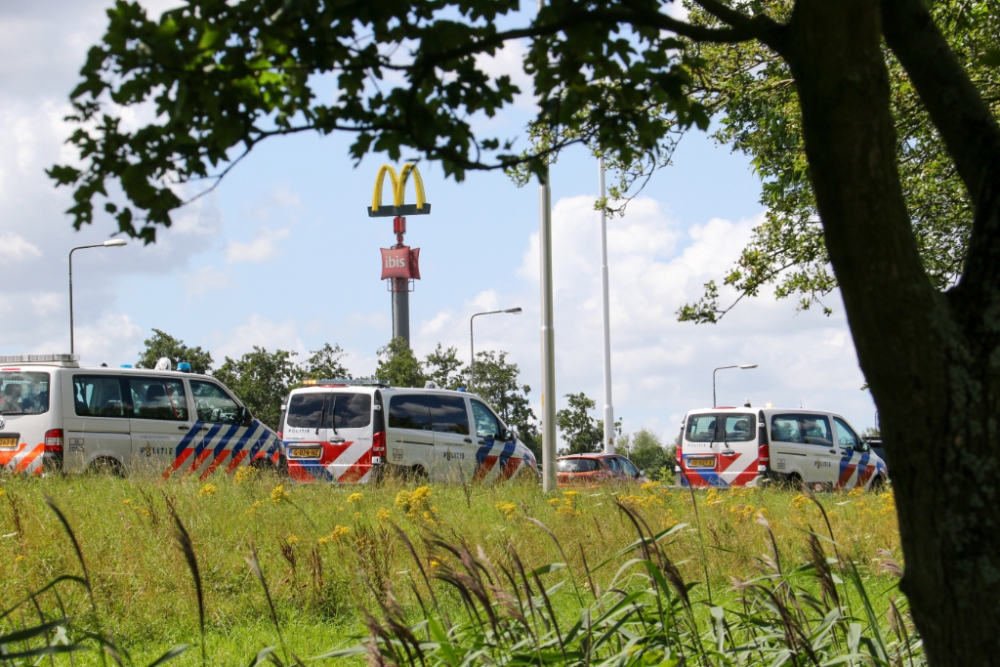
[[184, 367], [359, 382], [125, 366]]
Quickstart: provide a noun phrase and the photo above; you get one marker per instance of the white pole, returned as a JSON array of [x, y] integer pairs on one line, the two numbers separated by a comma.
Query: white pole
[[548, 339], [609, 408]]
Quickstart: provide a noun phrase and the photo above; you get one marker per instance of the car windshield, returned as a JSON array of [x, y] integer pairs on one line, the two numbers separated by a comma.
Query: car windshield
[[578, 465], [24, 393]]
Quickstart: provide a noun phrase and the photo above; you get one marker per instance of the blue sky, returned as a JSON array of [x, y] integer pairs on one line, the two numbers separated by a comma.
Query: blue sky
[[283, 254]]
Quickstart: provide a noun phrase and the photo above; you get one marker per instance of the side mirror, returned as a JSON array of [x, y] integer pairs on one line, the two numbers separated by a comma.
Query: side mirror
[[243, 416], [507, 435], [642, 473]]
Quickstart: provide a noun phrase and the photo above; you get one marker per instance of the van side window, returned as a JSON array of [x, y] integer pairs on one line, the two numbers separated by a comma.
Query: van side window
[[845, 435], [448, 414], [410, 412], [158, 398], [802, 428], [816, 430], [98, 396], [487, 425], [214, 405]]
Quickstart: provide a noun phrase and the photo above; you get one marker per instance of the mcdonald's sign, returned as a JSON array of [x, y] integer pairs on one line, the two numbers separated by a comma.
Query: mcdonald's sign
[[398, 208]]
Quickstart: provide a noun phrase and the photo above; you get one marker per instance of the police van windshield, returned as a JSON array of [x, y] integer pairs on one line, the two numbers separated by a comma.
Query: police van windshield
[[725, 427], [349, 410], [24, 393]]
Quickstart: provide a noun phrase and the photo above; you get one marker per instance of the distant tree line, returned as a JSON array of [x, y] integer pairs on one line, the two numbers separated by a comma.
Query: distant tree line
[[262, 380]]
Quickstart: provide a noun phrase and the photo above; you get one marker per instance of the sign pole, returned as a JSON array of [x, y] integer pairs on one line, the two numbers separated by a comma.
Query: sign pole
[[400, 264]]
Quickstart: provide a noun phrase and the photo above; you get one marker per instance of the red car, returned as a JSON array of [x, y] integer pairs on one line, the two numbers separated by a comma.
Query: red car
[[596, 468]]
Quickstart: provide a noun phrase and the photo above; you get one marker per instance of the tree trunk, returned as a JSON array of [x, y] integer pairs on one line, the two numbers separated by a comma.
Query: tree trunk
[[932, 360]]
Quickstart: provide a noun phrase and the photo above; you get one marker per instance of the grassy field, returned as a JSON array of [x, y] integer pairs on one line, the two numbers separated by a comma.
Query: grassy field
[[328, 552]]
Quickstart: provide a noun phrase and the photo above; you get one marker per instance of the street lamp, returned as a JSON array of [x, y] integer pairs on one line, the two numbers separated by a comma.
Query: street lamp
[[472, 343], [742, 366], [110, 243]]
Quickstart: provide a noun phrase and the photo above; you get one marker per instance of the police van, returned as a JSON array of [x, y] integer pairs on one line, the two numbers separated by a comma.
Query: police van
[[58, 416], [728, 446], [355, 431]]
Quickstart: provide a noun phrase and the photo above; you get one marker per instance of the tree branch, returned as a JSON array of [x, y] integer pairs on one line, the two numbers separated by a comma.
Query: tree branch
[[968, 129]]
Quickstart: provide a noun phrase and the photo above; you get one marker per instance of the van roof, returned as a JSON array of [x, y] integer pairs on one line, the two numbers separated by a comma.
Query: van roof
[[366, 388], [74, 365], [768, 411]]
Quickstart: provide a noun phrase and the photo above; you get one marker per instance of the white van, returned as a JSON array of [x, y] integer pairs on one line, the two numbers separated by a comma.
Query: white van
[[358, 430], [57, 416], [726, 446]]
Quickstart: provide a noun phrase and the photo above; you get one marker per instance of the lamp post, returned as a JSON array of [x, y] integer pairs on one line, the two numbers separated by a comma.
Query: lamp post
[[110, 243], [741, 366], [472, 343]]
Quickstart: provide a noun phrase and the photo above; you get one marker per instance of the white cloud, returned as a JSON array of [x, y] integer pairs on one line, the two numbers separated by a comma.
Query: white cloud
[[257, 331], [509, 60], [262, 248], [660, 368], [15, 248], [205, 279]]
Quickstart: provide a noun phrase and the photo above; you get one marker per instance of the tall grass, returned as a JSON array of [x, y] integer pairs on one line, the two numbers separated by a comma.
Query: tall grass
[[335, 558]]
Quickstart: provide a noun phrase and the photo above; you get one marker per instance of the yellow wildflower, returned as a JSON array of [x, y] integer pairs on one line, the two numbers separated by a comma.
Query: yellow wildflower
[[208, 491], [338, 533], [127, 501], [508, 509], [292, 539], [354, 498], [244, 474], [415, 503], [279, 494], [650, 486], [382, 514], [19, 559]]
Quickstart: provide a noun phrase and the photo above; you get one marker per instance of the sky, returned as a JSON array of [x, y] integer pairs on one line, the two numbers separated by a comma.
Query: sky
[[283, 255]]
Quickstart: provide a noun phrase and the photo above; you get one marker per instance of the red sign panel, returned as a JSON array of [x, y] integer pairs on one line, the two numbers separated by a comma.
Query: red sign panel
[[401, 263]]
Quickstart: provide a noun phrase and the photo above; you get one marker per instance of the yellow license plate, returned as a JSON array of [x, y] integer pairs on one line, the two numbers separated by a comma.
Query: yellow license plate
[[305, 453], [701, 463], [8, 442]]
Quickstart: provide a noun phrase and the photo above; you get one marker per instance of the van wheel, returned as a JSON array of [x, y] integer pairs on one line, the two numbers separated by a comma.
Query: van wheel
[[263, 465], [877, 485], [418, 474], [107, 466], [793, 482]]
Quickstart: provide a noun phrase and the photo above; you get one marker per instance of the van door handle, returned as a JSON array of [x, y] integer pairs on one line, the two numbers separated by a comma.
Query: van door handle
[[833, 451], [183, 428], [467, 440]]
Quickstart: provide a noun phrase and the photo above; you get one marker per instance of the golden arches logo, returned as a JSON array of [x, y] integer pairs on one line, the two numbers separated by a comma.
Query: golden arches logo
[[399, 207]]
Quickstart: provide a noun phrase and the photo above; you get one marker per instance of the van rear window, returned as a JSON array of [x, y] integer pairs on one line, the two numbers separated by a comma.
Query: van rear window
[[347, 410], [24, 393], [724, 427]]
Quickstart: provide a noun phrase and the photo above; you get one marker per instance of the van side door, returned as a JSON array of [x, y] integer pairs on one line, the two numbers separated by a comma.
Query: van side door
[[492, 453], [454, 453], [855, 455], [96, 420], [411, 438], [161, 422]]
